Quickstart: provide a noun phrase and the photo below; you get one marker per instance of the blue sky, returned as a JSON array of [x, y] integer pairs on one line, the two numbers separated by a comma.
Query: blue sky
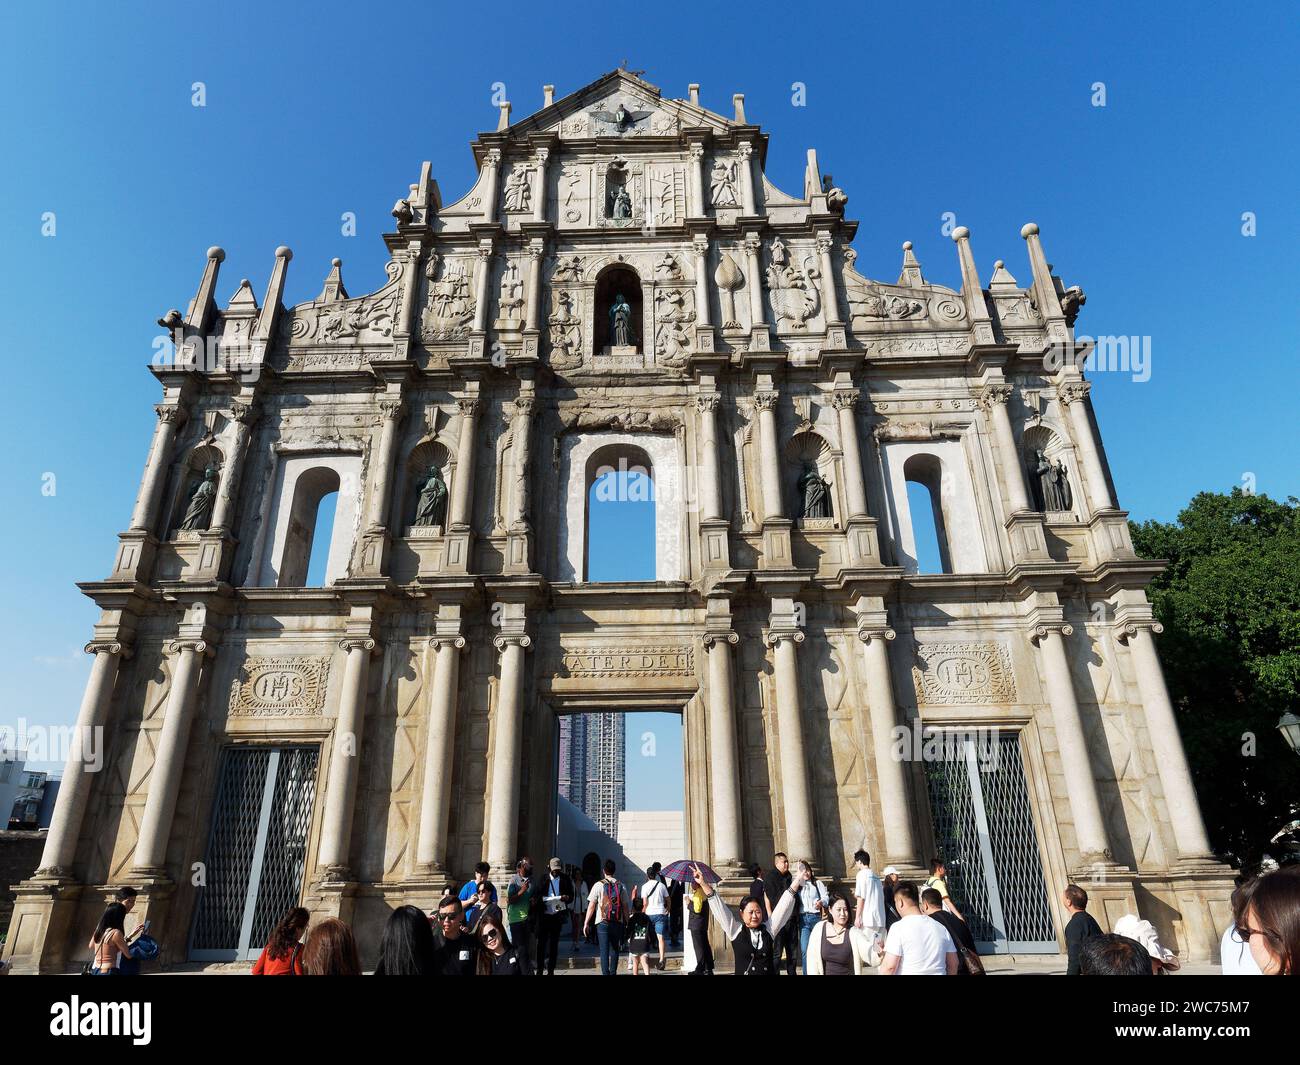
[[315, 110]]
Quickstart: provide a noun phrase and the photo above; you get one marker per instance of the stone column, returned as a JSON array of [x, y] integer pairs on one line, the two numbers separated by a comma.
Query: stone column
[[383, 471], [462, 489], [223, 509], [1080, 785], [74, 793], [435, 802], [855, 487], [745, 154], [521, 435], [830, 297], [539, 186], [891, 777], [703, 313], [724, 775], [345, 759], [753, 284], [533, 309], [506, 725], [994, 397], [491, 164], [1166, 743], [710, 489], [169, 759], [698, 207], [145, 515], [768, 455], [1074, 395], [795, 793], [481, 287]]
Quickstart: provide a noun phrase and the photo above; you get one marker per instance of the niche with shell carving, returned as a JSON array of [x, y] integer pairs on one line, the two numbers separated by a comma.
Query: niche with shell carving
[[415, 519], [1050, 466], [189, 475], [811, 481]]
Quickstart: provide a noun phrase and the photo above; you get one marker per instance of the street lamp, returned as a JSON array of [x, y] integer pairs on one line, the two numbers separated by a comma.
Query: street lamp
[[1289, 725]]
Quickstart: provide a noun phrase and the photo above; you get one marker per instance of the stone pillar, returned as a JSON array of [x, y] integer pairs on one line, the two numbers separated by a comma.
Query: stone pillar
[[491, 165], [169, 759], [345, 759], [703, 313], [1074, 395], [994, 397], [521, 435], [533, 309], [507, 726], [710, 489], [855, 487], [698, 208], [830, 297], [745, 154], [768, 455], [539, 186], [891, 778], [223, 509], [753, 284], [1080, 785], [795, 793], [145, 515], [1166, 743], [724, 773], [435, 802], [381, 492], [74, 793], [462, 489], [481, 286]]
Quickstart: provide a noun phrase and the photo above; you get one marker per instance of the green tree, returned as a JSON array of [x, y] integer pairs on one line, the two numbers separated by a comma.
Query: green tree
[[1230, 605]]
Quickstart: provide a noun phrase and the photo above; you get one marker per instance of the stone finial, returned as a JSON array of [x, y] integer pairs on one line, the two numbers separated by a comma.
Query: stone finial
[[284, 252], [738, 101], [217, 253], [503, 120], [243, 296], [334, 289], [911, 273], [1029, 229], [960, 233], [548, 95], [693, 92]]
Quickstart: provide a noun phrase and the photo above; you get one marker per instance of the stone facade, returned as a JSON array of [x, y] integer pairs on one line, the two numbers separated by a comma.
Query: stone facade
[[622, 283]]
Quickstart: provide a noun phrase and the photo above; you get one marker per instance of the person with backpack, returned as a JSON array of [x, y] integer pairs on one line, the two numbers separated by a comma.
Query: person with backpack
[[608, 905], [640, 933], [938, 881], [753, 938], [282, 955]]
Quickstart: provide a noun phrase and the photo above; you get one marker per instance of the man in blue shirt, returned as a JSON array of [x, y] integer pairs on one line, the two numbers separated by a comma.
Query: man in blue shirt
[[468, 892]]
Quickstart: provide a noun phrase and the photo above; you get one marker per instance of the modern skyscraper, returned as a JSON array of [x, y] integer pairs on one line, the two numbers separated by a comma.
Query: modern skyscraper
[[593, 765]]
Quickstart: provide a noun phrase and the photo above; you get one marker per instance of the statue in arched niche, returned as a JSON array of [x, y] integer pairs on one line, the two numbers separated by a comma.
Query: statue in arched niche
[[1050, 482], [198, 514], [814, 494], [621, 332], [431, 505]]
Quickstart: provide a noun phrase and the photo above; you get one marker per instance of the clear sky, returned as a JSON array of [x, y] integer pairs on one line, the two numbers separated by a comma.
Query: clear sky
[[976, 115]]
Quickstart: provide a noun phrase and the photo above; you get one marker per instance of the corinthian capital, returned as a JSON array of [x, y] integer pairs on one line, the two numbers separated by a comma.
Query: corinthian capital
[[845, 398], [707, 402], [1074, 391], [992, 394], [766, 400], [170, 413]]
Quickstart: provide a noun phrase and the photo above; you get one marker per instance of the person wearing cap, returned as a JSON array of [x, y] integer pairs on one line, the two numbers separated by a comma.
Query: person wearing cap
[[888, 881], [1163, 960], [557, 897]]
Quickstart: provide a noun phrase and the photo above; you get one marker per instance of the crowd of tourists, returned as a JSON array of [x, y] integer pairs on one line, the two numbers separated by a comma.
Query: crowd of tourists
[[791, 921]]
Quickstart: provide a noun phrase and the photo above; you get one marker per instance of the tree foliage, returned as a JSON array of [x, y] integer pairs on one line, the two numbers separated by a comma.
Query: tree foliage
[[1230, 605]]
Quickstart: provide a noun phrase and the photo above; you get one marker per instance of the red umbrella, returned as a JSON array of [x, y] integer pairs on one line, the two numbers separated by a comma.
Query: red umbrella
[[684, 871]]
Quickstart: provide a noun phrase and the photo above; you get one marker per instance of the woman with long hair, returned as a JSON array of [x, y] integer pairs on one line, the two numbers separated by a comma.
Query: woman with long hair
[[813, 901], [1270, 921], [109, 942], [331, 950], [836, 947], [282, 955], [499, 957], [406, 948]]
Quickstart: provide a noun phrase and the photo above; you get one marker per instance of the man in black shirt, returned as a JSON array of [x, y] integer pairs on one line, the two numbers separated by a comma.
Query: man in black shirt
[[457, 951], [932, 907], [775, 884], [1081, 926]]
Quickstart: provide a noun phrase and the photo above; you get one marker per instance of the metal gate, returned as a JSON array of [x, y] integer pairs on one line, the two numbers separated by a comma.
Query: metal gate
[[984, 829], [256, 851]]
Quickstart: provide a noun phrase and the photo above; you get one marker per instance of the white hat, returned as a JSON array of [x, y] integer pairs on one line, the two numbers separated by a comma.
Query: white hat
[[1144, 932], [890, 870]]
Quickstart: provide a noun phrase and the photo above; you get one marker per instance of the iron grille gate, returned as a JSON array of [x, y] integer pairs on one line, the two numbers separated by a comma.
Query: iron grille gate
[[984, 829], [256, 851]]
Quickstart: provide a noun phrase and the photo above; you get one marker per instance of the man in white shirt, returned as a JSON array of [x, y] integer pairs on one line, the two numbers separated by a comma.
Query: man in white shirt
[[870, 892], [654, 895], [917, 945]]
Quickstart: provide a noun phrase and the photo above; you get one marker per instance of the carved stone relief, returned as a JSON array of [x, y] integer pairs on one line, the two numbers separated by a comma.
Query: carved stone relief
[[280, 687], [963, 673]]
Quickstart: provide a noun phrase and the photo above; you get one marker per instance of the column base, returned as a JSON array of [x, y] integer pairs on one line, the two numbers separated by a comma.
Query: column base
[[375, 546], [777, 553], [42, 925], [457, 548], [1028, 540], [518, 558], [715, 543]]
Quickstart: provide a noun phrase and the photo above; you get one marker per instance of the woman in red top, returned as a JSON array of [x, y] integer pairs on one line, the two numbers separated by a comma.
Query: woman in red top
[[282, 955]]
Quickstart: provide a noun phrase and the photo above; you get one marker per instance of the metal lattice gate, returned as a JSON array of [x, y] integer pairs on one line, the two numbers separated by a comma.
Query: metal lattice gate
[[256, 851], [984, 829]]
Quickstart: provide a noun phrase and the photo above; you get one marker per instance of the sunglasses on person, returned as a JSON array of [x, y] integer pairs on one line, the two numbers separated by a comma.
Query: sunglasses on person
[[490, 933], [450, 915]]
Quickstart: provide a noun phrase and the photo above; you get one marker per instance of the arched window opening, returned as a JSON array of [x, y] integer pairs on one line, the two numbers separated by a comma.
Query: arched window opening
[[618, 324], [620, 538], [924, 476], [305, 561]]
